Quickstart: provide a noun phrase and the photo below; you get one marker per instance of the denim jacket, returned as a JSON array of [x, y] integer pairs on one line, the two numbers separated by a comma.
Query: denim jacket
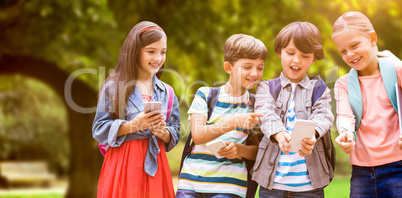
[[105, 126], [274, 121]]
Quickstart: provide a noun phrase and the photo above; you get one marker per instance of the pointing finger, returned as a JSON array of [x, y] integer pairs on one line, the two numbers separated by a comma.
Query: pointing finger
[[256, 115], [350, 136]]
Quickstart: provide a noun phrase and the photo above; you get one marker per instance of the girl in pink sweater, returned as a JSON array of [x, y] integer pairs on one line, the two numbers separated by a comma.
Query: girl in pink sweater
[[367, 119]]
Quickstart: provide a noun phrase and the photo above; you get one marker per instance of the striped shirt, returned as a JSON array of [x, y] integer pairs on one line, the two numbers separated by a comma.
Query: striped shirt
[[291, 174], [202, 171]]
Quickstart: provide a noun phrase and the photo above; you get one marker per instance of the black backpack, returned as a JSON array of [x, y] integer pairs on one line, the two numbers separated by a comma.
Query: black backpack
[[211, 102], [319, 88]]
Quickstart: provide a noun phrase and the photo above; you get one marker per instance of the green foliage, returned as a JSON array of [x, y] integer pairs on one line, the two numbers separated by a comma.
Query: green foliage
[[85, 30], [34, 123]]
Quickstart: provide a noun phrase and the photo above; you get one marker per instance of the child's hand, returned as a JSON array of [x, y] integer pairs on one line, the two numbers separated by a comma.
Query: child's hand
[[145, 121], [307, 146], [400, 143], [247, 120], [161, 132], [283, 139], [230, 151], [346, 141]]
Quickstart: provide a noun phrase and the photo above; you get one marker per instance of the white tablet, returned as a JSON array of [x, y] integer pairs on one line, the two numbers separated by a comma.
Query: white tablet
[[303, 129], [215, 146]]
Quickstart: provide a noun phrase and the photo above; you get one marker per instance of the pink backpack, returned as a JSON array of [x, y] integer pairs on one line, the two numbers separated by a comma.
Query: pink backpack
[[103, 148]]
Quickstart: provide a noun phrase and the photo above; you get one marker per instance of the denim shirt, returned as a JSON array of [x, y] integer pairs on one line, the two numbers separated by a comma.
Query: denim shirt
[[105, 126]]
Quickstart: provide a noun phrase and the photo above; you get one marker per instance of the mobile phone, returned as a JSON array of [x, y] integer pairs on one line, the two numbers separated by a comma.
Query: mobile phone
[[215, 146], [152, 106], [303, 129]]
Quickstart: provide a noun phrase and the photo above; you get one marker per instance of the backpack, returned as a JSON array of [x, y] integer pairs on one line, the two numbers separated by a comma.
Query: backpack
[[319, 88], [387, 70], [103, 148], [211, 102]]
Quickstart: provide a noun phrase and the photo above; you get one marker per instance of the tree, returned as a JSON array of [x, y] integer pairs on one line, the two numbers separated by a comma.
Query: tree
[[84, 167]]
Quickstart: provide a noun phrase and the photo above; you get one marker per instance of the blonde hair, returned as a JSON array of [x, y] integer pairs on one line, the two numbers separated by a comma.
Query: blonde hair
[[353, 21], [240, 46], [305, 36]]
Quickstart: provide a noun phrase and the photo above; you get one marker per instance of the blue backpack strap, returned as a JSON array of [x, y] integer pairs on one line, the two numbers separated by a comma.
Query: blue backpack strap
[[274, 87], [250, 131], [355, 96], [252, 99], [211, 101], [389, 77], [319, 89]]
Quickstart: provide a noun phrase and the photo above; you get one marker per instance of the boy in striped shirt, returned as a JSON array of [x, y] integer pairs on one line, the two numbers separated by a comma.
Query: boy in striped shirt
[[203, 174], [279, 170]]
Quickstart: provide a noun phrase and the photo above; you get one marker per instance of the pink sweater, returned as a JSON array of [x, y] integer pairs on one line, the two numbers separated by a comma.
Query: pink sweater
[[378, 134]]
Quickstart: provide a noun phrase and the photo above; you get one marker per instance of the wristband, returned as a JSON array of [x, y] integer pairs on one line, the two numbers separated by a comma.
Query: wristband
[[354, 133]]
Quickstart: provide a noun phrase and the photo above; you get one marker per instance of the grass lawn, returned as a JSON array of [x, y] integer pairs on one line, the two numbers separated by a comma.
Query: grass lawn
[[55, 192], [339, 188], [36, 195]]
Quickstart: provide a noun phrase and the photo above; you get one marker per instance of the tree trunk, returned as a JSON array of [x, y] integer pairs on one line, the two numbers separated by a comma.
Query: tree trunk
[[85, 159]]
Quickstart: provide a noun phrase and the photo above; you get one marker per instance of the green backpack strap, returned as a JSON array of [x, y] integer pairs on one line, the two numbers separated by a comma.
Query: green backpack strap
[[389, 79]]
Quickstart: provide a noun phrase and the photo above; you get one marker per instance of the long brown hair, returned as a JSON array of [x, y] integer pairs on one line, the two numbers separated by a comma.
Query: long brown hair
[[123, 79]]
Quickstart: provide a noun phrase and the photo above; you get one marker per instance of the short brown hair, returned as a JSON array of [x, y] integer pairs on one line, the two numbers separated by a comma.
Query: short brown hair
[[240, 46], [305, 36]]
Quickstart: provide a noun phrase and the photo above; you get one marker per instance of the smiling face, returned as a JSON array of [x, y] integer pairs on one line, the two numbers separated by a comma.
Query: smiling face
[[245, 73], [294, 62], [152, 57], [358, 51]]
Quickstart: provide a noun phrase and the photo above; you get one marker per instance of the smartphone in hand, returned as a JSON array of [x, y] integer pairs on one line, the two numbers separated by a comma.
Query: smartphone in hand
[[216, 145], [152, 106]]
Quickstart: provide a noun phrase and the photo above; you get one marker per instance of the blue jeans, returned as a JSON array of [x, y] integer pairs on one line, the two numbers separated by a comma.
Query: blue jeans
[[265, 193], [193, 194], [377, 181]]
